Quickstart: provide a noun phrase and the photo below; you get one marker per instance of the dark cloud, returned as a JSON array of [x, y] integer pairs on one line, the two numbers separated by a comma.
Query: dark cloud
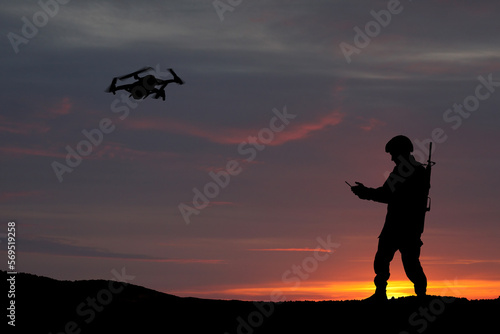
[[52, 246]]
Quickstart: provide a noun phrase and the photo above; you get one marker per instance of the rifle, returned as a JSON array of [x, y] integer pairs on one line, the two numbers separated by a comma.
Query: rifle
[[428, 169]]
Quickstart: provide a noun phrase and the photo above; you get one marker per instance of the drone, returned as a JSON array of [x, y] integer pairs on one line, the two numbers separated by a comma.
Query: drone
[[144, 86]]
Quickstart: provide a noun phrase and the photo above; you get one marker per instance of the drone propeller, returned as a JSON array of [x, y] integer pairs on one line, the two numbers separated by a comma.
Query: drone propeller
[[123, 77], [176, 77], [112, 87]]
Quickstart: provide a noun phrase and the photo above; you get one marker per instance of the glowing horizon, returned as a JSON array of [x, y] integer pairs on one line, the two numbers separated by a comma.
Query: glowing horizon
[[357, 290]]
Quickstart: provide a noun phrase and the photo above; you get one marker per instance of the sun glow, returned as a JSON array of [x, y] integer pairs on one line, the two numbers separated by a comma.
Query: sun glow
[[356, 290]]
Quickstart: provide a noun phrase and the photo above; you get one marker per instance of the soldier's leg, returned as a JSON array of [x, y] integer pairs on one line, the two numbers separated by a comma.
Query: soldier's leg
[[383, 258], [410, 255]]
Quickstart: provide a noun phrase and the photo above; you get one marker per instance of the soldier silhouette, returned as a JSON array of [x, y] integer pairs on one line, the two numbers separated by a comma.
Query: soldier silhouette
[[405, 192]]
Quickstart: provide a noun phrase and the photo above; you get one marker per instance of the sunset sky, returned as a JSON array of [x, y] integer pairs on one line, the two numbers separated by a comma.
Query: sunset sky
[[283, 101]]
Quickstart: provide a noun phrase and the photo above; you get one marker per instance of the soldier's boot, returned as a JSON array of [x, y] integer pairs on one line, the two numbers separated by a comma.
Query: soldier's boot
[[421, 293], [380, 296]]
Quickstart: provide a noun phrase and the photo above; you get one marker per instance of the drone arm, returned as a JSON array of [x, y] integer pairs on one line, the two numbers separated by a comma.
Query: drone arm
[[164, 83], [135, 74]]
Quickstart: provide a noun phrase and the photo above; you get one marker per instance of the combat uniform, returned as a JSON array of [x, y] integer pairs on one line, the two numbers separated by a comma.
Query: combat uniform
[[405, 192]]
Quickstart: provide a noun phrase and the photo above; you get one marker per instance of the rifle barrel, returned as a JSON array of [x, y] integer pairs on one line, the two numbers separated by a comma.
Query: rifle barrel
[[430, 152]]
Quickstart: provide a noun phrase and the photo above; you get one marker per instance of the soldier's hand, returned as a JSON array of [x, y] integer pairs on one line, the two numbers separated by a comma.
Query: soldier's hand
[[360, 190]]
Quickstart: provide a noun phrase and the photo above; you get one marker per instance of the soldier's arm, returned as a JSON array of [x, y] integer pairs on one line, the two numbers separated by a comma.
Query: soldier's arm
[[381, 194], [384, 193]]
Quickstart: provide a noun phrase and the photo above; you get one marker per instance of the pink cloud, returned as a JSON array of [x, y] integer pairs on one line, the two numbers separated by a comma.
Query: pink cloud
[[229, 136], [120, 151], [221, 203], [17, 151], [19, 194], [182, 261], [292, 250], [147, 259], [236, 136], [62, 108], [370, 124], [22, 128], [302, 131]]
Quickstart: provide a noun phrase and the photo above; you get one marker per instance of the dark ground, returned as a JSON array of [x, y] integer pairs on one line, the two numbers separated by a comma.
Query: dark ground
[[45, 305]]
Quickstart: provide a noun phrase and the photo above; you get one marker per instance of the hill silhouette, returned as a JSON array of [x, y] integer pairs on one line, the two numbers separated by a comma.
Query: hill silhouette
[[45, 305]]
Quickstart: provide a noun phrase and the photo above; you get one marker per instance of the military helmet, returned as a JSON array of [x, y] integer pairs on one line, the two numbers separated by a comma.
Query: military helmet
[[399, 144]]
